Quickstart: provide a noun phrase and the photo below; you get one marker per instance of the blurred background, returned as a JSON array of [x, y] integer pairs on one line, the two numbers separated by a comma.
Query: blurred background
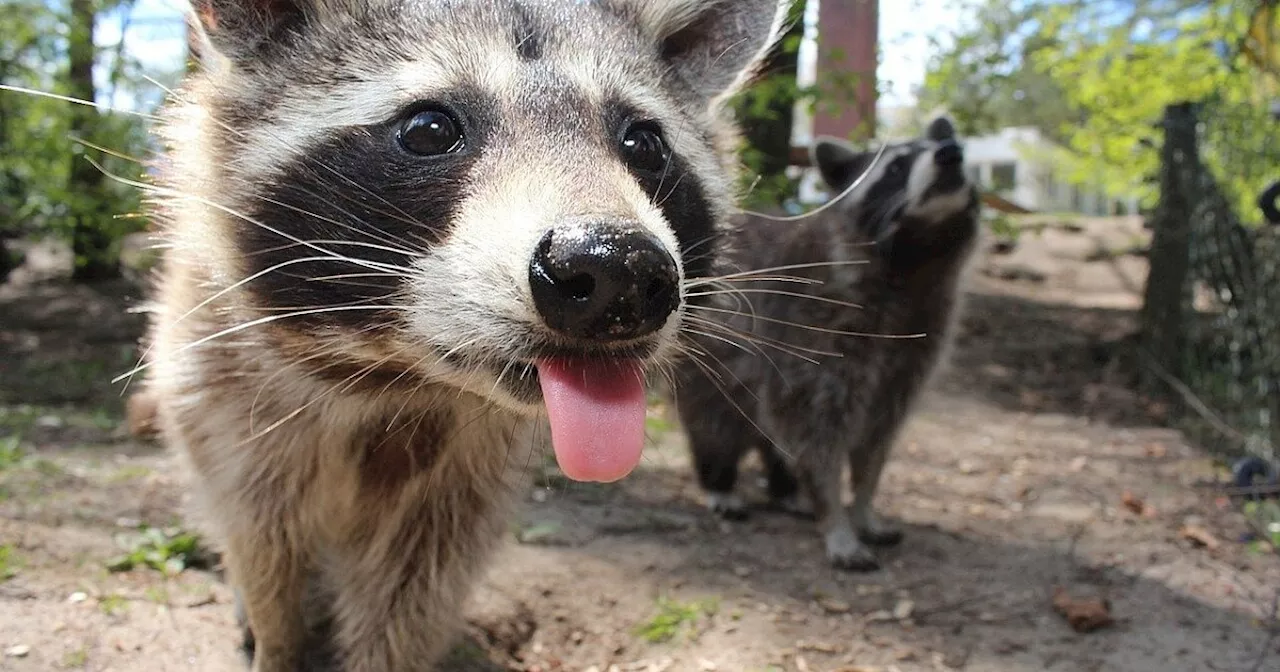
[[1108, 426]]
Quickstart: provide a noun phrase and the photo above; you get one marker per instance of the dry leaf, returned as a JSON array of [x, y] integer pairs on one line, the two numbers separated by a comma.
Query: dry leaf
[[1084, 615], [1078, 464], [1137, 505], [1199, 536], [1156, 450]]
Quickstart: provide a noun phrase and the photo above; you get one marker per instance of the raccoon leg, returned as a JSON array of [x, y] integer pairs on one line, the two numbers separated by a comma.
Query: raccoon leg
[[268, 591], [717, 469], [784, 487], [821, 473], [867, 465], [717, 451]]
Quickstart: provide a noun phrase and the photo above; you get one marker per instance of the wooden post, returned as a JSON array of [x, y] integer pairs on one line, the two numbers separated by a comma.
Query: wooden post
[[1166, 300]]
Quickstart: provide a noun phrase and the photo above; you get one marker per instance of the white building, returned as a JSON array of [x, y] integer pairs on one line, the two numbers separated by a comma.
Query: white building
[[1016, 164]]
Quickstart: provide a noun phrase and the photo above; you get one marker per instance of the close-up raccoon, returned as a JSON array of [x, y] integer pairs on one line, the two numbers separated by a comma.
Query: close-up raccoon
[[867, 287], [399, 233]]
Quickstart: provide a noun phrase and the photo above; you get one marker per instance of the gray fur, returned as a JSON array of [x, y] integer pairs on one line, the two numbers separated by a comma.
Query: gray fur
[[897, 246], [357, 470]]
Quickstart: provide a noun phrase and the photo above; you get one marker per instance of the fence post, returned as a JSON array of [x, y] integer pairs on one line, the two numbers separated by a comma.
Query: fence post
[[1165, 302]]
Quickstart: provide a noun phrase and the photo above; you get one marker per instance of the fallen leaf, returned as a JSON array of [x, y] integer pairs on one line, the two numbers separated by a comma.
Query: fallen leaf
[[1078, 464], [1199, 536], [1156, 450], [1084, 615], [1137, 505], [833, 606]]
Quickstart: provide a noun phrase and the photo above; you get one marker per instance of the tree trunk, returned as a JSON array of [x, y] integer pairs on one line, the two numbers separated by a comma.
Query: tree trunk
[[95, 252], [1165, 302]]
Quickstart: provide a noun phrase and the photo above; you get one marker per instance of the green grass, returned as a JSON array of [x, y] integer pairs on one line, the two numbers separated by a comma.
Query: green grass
[[76, 659], [113, 605], [11, 452], [8, 563], [673, 617]]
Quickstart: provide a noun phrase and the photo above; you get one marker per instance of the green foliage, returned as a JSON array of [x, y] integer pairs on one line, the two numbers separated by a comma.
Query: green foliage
[[1097, 77], [40, 137], [169, 551]]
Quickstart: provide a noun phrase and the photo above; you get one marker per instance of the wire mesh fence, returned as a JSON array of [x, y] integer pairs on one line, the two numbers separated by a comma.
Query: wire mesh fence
[[1220, 346]]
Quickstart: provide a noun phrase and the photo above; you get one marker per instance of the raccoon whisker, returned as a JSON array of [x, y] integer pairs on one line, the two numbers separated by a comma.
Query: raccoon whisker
[[349, 276], [78, 101], [666, 170], [215, 297], [320, 351], [791, 267], [724, 282], [118, 154], [810, 327], [218, 206], [728, 397], [376, 233], [779, 292], [348, 381], [371, 246], [833, 201], [255, 323], [793, 350], [403, 216]]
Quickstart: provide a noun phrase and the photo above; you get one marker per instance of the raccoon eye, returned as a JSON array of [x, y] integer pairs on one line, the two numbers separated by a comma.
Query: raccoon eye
[[644, 148], [430, 133]]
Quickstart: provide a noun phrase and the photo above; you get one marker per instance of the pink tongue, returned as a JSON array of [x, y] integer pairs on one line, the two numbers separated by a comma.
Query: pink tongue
[[597, 416]]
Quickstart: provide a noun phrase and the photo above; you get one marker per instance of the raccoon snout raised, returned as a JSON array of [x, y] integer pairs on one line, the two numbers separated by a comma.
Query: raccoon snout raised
[[948, 154], [603, 281]]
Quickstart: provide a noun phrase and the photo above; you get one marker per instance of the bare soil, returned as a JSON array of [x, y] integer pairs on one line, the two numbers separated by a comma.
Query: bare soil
[[1030, 466]]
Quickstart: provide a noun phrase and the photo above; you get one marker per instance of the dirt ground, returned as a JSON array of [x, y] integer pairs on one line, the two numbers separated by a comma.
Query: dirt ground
[[1011, 480]]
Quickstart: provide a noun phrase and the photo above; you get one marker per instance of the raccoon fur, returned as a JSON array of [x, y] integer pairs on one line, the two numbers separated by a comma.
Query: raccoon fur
[[403, 238], [884, 260]]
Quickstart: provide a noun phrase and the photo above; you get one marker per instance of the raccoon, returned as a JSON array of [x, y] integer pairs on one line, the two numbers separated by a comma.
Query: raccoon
[[882, 261], [403, 238]]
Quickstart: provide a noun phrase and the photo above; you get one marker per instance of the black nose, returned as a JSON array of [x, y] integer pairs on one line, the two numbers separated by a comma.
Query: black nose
[[948, 154], [603, 281]]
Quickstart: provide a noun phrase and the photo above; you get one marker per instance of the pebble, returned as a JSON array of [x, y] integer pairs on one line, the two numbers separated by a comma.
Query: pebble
[[19, 651]]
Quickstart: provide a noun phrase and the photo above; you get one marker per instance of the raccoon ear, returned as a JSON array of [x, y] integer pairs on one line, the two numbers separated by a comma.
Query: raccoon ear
[[714, 45], [237, 28], [941, 128], [838, 162]]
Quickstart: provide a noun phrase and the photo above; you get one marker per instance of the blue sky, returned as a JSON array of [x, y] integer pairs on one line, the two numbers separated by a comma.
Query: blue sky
[[156, 37]]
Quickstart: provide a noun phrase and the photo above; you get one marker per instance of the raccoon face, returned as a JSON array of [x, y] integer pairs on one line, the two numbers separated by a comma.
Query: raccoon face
[[921, 180], [501, 196]]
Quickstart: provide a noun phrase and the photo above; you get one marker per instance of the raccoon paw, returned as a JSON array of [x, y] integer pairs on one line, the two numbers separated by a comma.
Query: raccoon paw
[[844, 551], [793, 506], [880, 534], [727, 505]]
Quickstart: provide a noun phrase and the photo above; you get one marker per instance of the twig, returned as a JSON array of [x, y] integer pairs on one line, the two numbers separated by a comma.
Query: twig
[[1192, 400]]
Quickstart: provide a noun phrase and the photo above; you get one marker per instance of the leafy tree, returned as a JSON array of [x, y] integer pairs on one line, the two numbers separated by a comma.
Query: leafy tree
[[47, 185], [1097, 75]]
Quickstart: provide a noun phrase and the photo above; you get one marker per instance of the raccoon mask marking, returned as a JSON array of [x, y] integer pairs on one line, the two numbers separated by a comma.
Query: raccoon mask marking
[[400, 231], [414, 128]]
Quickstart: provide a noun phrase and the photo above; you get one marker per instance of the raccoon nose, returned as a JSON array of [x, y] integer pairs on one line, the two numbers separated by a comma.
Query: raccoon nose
[[603, 281], [948, 154]]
